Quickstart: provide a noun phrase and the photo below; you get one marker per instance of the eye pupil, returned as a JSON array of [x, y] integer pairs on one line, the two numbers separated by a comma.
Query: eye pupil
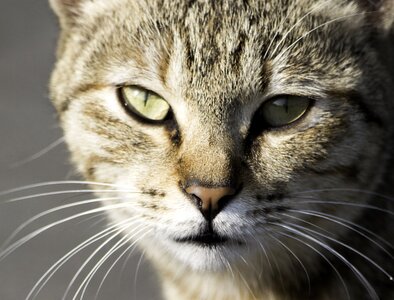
[[146, 94]]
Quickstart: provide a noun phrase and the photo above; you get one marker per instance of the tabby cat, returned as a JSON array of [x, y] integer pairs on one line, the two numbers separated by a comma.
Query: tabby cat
[[248, 141]]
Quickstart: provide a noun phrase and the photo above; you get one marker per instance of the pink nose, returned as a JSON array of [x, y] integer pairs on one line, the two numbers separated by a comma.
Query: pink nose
[[210, 200]]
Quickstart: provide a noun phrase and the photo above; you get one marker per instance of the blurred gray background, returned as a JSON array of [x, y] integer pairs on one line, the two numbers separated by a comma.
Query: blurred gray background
[[28, 33]]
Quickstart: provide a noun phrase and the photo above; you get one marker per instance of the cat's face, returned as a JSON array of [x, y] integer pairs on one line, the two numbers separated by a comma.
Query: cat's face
[[232, 73]]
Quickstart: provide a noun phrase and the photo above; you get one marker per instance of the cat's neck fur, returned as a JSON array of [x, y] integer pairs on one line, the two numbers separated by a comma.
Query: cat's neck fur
[[192, 285]]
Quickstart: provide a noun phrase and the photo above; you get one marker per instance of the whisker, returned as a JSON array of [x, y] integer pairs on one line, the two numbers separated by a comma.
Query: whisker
[[279, 270], [264, 251], [35, 233], [244, 260], [324, 257], [122, 242], [64, 192], [136, 272], [300, 20], [368, 206], [131, 247], [100, 216], [58, 264], [247, 285], [372, 193], [276, 34], [314, 29], [348, 247], [38, 154], [309, 223], [360, 276], [52, 210], [229, 268], [54, 183], [299, 261], [102, 245], [323, 216], [387, 243]]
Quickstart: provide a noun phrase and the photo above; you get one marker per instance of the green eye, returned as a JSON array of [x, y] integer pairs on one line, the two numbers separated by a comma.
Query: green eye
[[284, 110], [144, 103]]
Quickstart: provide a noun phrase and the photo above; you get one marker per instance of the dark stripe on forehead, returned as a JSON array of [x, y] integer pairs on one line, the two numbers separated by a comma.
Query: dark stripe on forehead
[[166, 52], [189, 52], [238, 51]]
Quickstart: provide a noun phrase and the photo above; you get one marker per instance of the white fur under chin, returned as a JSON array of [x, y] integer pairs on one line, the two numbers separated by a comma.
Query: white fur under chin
[[202, 270], [204, 258]]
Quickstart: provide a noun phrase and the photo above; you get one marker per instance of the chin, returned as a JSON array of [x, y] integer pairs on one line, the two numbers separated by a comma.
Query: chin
[[203, 257]]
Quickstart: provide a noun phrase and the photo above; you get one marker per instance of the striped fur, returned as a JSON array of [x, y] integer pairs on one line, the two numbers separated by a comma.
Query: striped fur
[[216, 62]]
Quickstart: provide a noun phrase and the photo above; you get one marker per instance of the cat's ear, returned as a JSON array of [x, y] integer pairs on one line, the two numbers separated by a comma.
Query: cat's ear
[[380, 12], [66, 10]]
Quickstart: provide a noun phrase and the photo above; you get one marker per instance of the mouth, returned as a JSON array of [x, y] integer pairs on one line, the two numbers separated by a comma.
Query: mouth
[[207, 239]]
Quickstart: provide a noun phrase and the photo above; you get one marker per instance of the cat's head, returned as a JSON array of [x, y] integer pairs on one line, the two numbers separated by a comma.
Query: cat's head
[[224, 118]]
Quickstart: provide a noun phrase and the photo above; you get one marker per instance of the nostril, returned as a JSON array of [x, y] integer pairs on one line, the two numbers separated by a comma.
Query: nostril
[[210, 201], [197, 201], [210, 196]]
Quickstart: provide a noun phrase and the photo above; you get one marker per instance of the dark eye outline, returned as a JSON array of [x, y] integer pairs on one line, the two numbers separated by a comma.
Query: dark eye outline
[[134, 113], [259, 124]]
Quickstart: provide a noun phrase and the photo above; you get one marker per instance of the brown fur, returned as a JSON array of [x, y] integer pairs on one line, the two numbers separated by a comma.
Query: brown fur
[[216, 62]]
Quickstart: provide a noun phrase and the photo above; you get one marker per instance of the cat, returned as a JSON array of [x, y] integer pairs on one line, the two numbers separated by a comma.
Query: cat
[[248, 142]]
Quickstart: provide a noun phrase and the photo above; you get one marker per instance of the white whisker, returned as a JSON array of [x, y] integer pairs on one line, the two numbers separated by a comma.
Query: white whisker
[[54, 183], [35, 233], [132, 246], [300, 20], [348, 247], [102, 245], [278, 269], [229, 268], [65, 192], [367, 192], [360, 276], [387, 243], [247, 285], [52, 210], [344, 203], [276, 34], [324, 257], [38, 154], [299, 261], [321, 215], [58, 264], [122, 242], [316, 28], [265, 253], [136, 272], [100, 216], [309, 223]]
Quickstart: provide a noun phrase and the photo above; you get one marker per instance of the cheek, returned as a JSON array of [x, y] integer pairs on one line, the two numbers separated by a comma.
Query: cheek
[[96, 134], [283, 158], [329, 157], [278, 159]]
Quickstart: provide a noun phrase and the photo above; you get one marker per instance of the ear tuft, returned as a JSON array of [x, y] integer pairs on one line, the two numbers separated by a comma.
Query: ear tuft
[[387, 11], [66, 10], [382, 12]]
